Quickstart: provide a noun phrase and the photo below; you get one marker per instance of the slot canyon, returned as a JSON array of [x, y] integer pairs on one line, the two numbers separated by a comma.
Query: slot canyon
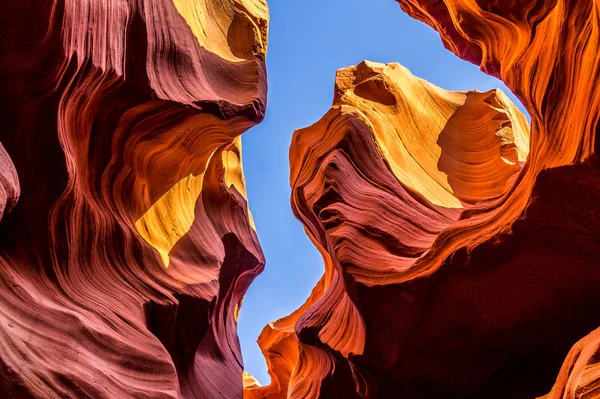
[[458, 236]]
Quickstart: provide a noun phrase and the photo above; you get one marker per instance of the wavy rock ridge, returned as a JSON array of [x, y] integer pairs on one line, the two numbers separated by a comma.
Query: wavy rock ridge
[[449, 270], [547, 53], [395, 162], [126, 242]]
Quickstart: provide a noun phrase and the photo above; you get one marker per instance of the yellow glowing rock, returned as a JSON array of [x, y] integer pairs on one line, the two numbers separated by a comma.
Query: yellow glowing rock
[[234, 172], [234, 30], [172, 216], [232, 162], [411, 118], [249, 381]]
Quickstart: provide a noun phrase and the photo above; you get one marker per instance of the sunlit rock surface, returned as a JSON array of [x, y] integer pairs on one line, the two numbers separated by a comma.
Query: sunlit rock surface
[[381, 323], [126, 244], [462, 277], [547, 54]]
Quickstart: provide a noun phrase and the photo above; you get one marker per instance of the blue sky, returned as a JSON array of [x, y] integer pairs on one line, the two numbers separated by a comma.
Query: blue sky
[[308, 41]]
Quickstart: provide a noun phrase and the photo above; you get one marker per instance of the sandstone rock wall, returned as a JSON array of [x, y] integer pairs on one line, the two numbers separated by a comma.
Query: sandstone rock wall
[[126, 244]]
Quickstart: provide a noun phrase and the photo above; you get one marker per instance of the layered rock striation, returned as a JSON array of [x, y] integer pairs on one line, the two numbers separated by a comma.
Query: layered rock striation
[[457, 264], [126, 243], [460, 245], [376, 182], [547, 54]]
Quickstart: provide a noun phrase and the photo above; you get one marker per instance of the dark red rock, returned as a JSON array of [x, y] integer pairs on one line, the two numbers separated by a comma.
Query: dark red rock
[[111, 110]]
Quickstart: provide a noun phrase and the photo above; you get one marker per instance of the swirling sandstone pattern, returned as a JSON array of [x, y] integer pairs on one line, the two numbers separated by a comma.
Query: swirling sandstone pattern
[[126, 241], [9, 183], [421, 298], [547, 53], [391, 165]]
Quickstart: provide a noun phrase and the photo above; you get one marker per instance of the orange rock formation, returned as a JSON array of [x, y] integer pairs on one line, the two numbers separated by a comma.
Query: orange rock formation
[[456, 264], [126, 241], [547, 54]]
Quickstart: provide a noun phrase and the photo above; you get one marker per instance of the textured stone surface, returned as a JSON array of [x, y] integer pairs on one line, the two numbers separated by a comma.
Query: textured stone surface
[[450, 287], [380, 325], [124, 261], [547, 54], [460, 246]]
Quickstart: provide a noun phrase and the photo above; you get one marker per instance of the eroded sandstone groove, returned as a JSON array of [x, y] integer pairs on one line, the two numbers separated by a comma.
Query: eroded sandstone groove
[[126, 244]]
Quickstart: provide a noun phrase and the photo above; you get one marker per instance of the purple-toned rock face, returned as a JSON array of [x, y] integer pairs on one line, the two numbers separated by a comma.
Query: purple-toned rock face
[[125, 256], [9, 183]]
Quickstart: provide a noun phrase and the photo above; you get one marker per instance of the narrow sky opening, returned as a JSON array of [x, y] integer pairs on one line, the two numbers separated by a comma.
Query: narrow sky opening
[[308, 42]]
